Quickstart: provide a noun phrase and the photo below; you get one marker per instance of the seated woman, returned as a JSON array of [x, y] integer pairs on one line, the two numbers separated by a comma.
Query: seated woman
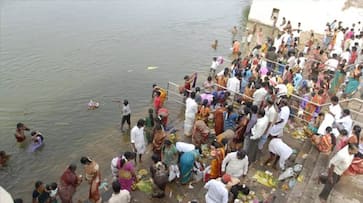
[[353, 82], [325, 143], [356, 167], [200, 133], [313, 126], [159, 174], [37, 141]]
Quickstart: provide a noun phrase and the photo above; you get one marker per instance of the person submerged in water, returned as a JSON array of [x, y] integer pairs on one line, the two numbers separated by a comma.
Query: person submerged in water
[[20, 132], [3, 158], [37, 140]]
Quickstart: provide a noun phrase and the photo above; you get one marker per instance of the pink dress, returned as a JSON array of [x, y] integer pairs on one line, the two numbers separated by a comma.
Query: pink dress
[[125, 176]]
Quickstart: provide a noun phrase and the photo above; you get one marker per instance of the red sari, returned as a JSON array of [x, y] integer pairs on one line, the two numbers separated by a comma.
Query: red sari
[[67, 186], [218, 119]]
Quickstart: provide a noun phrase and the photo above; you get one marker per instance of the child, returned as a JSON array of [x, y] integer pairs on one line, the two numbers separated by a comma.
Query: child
[[214, 66], [3, 158]]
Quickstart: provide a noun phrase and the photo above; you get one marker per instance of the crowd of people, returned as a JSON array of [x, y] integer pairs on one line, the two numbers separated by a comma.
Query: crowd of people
[[233, 116]]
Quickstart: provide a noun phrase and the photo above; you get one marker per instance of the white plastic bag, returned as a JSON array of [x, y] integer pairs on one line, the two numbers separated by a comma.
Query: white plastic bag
[[173, 172], [289, 172]]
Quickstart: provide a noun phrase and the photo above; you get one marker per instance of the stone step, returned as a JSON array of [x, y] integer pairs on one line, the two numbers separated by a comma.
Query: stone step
[[312, 189], [308, 166]]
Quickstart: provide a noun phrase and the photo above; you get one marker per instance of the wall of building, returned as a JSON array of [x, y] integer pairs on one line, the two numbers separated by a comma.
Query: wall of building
[[313, 14]]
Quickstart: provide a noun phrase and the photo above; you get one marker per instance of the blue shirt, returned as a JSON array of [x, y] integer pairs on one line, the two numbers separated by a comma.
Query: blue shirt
[[230, 122], [297, 80]]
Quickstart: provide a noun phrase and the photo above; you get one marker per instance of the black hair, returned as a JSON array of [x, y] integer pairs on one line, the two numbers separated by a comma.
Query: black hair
[[127, 156], [72, 167], [241, 154], [254, 109], [155, 158], [334, 99], [19, 125], [261, 112], [38, 184], [85, 160], [116, 186], [328, 129], [356, 130], [346, 111], [126, 102], [216, 144], [192, 95], [343, 132], [140, 123]]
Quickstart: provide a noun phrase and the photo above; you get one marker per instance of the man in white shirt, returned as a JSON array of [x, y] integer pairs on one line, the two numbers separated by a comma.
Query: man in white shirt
[[191, 108], [260, 94], [126, 115], [278, 151], [335, 112], [257, 132], [337, 165], [235, 164], [345, 122], [281, 89], [272, 115], [233, 84], [118, 195], [137, 138], [332, 64], [283, 117], [217, 191]]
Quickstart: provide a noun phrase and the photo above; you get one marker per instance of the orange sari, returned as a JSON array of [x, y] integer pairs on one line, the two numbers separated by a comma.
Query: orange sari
[[218, 120], [324, 143], [222, 81], [216, 163], [311, 108], [93, 176], [203, 113]]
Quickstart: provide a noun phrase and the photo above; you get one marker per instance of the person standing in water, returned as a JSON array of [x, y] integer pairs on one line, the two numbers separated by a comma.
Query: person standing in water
[[138, 139], [93, 176], [20, 132], [126, 115]]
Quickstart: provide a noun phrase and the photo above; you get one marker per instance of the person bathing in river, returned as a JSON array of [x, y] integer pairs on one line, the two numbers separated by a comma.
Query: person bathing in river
[[20, 132], [37, 141], [3, 158]]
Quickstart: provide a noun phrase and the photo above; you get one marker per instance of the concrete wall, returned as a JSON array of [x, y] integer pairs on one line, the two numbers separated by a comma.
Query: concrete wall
[[313, 14]]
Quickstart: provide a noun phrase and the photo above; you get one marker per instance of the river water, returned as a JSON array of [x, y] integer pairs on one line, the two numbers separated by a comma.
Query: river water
[[57, 55]]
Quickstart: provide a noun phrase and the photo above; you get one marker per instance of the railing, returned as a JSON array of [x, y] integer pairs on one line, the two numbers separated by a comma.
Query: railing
[[294, 100]]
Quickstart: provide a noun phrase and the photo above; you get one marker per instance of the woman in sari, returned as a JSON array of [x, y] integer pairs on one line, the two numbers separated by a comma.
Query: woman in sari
[[312, 127], [356, 167], [217, 153], [325, 143], [218, 120], [186, 165], [222, 80], [311, 109], [68, 183], [337, 81], [127, 173], [203, 112], [93, 176], [353, 82], [200, 133], [248, 92], [159, 137]]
